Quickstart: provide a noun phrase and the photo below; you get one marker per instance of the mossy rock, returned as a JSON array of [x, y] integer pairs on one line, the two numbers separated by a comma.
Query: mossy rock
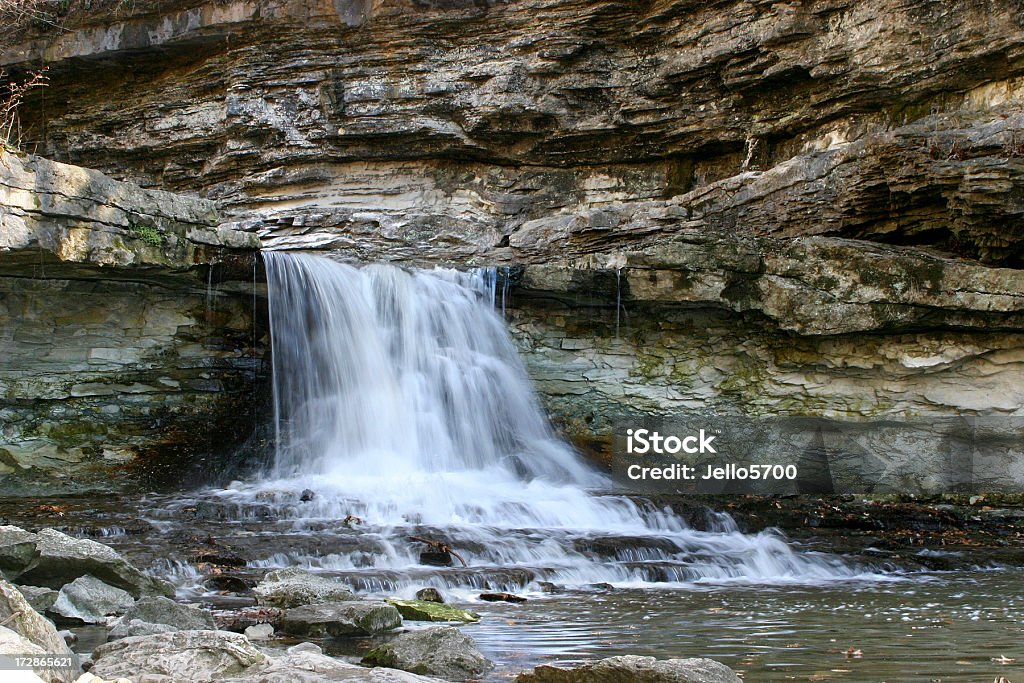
[[421, 610]]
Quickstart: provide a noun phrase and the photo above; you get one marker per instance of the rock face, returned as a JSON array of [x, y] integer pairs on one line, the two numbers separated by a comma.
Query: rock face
[[737, 207], [441, 651], [632, 669], [126, 318]]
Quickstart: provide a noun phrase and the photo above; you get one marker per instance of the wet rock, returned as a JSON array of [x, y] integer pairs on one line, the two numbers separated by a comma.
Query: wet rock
[[433, 558], [305, 647], [501, 597], [181, 655], [17, 551], [438, 651], [228, 583], [294, 587], [259, 632], [352, 618], [422, 610], [62, 559], [161, 615], [89, 600], [39, 597], [548, 587], [602, 586], [307, 495], [429, 595], [18, 616], [633, 669]]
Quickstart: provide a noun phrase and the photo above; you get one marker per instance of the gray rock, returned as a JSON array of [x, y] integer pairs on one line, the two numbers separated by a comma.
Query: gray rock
[[18, 616], [91, 601], [160, 610], [17, 551], [305, 647], [62, 559], [314, 667], [429, 595], [39, 597], [178, 656], [438, 651], [259, 632], [294, 587], [126, 628], [633, 669], [341, 619]]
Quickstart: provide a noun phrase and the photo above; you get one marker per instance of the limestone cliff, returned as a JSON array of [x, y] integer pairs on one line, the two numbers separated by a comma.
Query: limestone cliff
[[741, 205], [126, 320]]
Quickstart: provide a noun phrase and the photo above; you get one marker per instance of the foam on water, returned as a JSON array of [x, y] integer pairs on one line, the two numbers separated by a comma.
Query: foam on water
[[399, 399]]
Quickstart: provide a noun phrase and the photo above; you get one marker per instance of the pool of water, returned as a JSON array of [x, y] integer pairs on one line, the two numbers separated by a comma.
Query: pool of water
[[958, 626]]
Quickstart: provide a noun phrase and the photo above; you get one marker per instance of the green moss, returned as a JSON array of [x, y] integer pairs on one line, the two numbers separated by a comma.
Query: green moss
[[148, 234]]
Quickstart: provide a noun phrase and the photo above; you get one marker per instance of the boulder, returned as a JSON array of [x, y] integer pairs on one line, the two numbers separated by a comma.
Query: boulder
[[422, 610], [352, 618], [437, 651], [18, 551], [259, 632], [160, 610], [16, 615], [62, 559], [126, 628], [295, 587], [91, 601], [178, 656], [633, 669], [306, 666], [39, 597], [429, 595]]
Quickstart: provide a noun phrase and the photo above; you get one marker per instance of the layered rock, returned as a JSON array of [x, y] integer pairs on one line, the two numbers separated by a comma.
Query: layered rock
[[127, 321]]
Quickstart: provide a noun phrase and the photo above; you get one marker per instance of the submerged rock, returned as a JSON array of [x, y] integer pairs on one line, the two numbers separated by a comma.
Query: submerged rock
[[91, 601], [295, 587], [501, 597], [62, 559], [179, 656], [352, 618], [439, 651], [423, 610], [633, 669], [18, 616]]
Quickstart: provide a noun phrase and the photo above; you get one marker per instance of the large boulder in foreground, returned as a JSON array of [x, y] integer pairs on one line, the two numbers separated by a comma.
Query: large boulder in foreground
[[442, 651], [179, 655], [228, 657], [294, 587], [352, 618], [63, 558], [633, 669], [89, 600], [18, 616]]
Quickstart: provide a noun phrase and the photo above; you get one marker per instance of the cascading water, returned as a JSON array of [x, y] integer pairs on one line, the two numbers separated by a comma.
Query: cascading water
[[400, 402]]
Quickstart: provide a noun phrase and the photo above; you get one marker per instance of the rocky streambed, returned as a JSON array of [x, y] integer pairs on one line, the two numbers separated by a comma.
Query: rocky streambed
[[947, 587]]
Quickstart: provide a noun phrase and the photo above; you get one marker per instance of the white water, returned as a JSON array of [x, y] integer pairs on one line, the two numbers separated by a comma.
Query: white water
[[400, 399]]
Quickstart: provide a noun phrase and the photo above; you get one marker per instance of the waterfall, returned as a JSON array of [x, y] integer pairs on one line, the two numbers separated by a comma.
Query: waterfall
[[400, 400]]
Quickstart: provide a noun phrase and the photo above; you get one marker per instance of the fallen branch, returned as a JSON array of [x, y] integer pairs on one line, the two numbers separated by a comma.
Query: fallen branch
[[440, 547]]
